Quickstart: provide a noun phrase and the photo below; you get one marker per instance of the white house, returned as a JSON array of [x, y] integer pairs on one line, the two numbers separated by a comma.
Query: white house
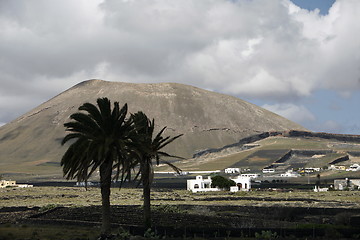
[[342, 184], [232, 170], [5, 183], [24, 186], [268, 170], [242, 183], [199, 184], [290, 173], [319, 189], [250, 175], [335, 167], [355, 167]]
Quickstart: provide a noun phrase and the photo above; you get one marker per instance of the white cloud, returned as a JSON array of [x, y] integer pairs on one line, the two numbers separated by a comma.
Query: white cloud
[[299, 114], [255, 49], [331, 126]]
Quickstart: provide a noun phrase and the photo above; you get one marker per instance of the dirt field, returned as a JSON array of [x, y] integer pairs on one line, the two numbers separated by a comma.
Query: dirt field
[[180, 214]]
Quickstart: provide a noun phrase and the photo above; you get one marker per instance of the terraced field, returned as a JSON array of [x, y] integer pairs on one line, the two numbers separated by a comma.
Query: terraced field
[[271, 151]]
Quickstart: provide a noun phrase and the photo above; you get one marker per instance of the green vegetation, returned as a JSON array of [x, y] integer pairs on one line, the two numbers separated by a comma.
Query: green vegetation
[[222, 182], [266, 235], [46, 232]]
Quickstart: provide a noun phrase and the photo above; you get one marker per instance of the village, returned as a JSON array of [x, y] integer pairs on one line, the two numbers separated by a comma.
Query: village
[[243, 181], [242, 178]]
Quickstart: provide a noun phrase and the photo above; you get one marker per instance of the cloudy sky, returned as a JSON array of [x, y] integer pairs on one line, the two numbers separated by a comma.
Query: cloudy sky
[[298, 58]]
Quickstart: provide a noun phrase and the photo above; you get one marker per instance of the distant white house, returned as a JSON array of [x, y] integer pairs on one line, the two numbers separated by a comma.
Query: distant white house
[[242, 183], [232, 170], [83, 184], [250, 175], [290, 173], [339, 168], [342, 184], [319, 189], [199, 184], [268, 170], [355, 167], [24, 185], [5, 183]]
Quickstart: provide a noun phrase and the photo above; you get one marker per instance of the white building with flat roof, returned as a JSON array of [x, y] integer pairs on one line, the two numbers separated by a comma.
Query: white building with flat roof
[[5, 183], [242, 183], [199, 184], [232, 170]]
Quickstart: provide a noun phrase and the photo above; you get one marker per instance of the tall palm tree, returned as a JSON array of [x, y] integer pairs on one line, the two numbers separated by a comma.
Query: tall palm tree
[[99, 138], [148, 148]]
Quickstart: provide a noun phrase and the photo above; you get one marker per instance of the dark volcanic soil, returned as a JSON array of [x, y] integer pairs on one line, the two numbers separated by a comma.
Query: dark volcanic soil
[[201, 220]]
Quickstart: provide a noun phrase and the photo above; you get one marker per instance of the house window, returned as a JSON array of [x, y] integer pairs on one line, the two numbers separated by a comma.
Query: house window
[[196, 186], [239, 185]]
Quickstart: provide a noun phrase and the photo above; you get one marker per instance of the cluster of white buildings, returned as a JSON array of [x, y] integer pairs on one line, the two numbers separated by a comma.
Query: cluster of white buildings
[[5, 184], [353, 168], [344, 184], [200, 184]]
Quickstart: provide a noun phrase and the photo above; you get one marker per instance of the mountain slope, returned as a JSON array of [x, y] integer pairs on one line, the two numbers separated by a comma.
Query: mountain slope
[[207, 119]]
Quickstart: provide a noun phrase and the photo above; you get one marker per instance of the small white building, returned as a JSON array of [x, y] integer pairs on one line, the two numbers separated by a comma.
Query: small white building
[[343, 184], [339, 168], [83, 184], [242, 183], [232, 170], [319, 189], [268, 170], [5, 183], [250, 175], [199, 184], [290, 173], [355, 167], [24, 186]]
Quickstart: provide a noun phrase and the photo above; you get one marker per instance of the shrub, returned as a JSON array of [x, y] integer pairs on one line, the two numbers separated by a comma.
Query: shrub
[[166, 208], [266, 235], [221, 182]]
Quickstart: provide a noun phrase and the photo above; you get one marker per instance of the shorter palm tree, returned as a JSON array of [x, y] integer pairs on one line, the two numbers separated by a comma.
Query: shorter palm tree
[[148, 148]]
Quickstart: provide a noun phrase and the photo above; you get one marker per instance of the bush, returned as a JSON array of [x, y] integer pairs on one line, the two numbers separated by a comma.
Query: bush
[[266, 235], [221, 182], [166, 208]]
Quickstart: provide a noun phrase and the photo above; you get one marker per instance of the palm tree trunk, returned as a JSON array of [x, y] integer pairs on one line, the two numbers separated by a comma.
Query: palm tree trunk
[[146, 193], [105, 184]]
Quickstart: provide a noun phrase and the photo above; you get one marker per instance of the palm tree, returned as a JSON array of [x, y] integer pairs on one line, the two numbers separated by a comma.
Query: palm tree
[[99, 138], [148, 148]]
